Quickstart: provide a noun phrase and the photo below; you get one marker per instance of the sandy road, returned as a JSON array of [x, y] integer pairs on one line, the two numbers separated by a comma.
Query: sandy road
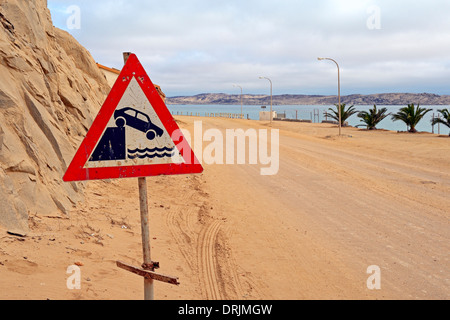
[[336, 207]]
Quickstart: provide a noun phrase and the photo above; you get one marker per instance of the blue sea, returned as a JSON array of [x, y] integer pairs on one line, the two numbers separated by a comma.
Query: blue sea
[[314, 113]]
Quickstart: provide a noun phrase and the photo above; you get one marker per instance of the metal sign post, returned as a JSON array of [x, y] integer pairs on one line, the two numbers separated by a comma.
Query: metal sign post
[[145, 229], [132, 136], [148, 266]]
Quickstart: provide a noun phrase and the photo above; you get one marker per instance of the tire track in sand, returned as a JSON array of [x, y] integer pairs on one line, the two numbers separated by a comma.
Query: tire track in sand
[[199, 235], [181, 237], [207, 260]]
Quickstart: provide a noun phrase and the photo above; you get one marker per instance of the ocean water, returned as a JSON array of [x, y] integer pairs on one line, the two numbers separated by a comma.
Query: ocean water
[[314, 113]]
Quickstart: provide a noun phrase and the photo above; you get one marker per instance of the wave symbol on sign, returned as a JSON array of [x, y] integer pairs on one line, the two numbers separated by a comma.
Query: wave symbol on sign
[[151, 153]]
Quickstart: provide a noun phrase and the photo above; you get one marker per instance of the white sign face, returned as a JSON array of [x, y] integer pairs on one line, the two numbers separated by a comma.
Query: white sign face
[[134, 135]]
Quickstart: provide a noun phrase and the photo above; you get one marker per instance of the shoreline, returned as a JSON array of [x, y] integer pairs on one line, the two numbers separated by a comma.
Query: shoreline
[[325, 125], [306, 113]]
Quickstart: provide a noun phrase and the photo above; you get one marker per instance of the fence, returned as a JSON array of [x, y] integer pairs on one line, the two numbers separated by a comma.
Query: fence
[[213, 114]]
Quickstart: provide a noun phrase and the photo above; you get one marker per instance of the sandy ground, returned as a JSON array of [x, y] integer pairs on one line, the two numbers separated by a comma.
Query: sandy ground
[[336, 207]]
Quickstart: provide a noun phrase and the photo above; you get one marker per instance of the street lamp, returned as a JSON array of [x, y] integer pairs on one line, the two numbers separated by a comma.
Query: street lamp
[[236, 85], [271, 114], [339, 90]]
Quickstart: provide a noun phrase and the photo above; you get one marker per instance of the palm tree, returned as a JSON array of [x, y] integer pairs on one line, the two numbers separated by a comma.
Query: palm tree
[[345, 114], [446, 118], [373, 117], [411, 116]]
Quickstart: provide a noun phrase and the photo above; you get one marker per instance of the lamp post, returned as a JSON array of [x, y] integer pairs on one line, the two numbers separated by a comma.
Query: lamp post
[[339, 90], [236, 85], [271, 114]]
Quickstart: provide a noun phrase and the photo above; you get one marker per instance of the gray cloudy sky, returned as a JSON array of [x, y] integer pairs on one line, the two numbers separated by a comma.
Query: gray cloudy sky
[[197, 46]]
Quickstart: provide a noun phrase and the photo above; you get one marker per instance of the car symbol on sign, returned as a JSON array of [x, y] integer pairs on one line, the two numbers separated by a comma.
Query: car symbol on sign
[[137, 120]]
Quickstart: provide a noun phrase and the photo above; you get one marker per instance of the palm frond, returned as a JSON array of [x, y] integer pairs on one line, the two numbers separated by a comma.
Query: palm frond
[[410, 115], [345, 113], [373, 117], [445, 120]]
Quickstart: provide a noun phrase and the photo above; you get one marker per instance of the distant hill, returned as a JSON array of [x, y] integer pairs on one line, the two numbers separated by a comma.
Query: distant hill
[[298, 99]]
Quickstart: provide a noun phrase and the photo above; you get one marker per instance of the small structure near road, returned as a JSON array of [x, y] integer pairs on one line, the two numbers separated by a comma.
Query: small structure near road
[[265, 115]]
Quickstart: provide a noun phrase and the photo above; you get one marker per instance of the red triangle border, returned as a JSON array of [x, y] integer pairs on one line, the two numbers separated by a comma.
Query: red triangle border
[[76, 170]]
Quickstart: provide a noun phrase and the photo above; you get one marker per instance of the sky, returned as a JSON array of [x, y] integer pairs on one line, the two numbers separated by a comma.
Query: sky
[[190, 47]]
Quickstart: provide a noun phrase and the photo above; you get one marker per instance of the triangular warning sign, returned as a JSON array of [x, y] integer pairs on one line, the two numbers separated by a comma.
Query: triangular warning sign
[[133, 135]]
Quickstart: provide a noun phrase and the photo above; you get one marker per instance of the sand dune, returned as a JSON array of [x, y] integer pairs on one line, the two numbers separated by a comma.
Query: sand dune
[[335, 207]]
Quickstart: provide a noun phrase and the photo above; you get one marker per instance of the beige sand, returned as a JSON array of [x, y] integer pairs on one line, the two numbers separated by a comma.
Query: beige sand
[[336, 206]]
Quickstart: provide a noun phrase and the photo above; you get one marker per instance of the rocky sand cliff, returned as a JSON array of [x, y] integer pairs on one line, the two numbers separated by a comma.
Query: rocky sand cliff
[[50, 91]]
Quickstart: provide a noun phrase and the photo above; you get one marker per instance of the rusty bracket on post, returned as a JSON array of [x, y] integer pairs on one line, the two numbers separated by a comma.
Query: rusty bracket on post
[[148, 274], [126, 55], [150, 266]]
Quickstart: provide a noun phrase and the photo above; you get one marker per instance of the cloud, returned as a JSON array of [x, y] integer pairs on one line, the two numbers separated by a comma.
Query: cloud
[[196, 46]]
